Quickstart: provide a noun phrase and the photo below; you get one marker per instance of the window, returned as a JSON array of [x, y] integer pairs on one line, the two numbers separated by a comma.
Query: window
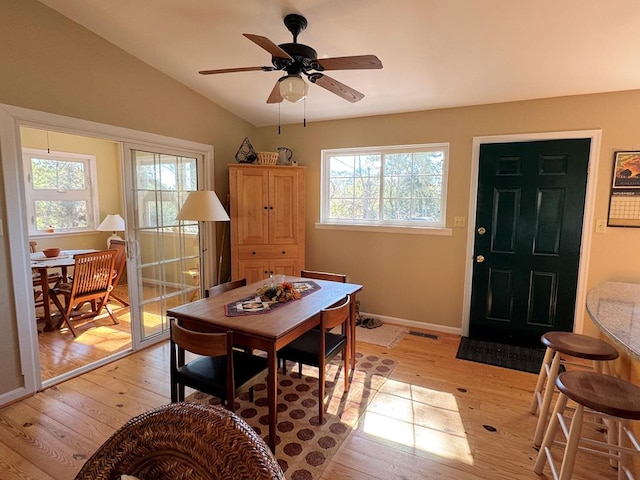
[[403, 186], [60, 191]]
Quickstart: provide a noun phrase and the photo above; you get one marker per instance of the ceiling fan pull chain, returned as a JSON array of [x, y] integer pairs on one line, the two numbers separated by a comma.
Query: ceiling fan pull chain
[[278, 119], [304, 120]]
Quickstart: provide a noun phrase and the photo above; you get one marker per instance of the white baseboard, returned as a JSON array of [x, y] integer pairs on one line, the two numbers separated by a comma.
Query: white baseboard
[[413, 324]]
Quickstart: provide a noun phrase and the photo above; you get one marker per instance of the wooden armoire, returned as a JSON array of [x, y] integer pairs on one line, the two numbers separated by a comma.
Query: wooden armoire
[[267, 221]]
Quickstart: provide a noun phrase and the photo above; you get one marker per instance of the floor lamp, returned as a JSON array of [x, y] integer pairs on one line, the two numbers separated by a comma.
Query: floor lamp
[[203, 206]]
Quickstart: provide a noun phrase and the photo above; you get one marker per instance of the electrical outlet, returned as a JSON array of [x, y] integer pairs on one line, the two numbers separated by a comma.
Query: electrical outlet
[[601, 226], [458, 222]]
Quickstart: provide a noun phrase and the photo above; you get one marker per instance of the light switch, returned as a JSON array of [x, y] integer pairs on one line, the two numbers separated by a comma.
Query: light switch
[[601, 226], [458, 222]]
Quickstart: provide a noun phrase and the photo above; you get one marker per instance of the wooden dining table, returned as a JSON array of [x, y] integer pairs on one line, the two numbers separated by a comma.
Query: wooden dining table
[[270, 331], [42, 265]]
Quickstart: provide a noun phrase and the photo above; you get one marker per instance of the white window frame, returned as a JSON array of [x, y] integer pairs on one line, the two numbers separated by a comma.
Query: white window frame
[[409, 226], [90, 194]]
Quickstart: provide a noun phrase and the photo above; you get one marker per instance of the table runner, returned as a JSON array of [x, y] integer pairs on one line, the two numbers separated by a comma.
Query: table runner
[[253, 305]]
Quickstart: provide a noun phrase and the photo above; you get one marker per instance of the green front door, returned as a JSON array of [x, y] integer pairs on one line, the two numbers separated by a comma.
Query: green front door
[[527, 241]]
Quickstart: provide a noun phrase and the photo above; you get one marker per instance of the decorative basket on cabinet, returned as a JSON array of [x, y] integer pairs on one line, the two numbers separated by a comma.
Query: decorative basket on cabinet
[[267, 158]]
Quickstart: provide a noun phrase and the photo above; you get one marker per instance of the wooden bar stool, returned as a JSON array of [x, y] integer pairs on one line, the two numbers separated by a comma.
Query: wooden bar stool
[[609, 398], [559, 344]]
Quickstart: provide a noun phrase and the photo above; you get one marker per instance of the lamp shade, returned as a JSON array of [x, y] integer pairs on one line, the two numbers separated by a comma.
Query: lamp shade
[[204, 206], [293, 88], [112, 223]]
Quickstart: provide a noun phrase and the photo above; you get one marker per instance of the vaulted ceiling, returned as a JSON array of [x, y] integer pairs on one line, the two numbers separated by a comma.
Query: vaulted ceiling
[[435, 53]]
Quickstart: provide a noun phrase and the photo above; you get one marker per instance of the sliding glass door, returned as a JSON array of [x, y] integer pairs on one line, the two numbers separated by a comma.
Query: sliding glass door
[[164, 253]]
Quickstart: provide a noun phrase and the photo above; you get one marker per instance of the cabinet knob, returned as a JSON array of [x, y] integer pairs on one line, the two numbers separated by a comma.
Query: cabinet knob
[[253, 253], [270, 208], [266, 208], [284, 252]]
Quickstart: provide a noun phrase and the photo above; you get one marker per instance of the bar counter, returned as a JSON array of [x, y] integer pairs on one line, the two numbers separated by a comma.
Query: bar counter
[[615, 309]]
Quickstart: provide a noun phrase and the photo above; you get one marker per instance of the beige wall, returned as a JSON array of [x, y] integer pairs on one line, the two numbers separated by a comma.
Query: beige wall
[[420, 277], [53, 65]]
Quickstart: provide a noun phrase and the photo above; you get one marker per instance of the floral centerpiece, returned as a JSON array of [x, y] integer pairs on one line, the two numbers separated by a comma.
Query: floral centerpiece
[[281, 293]]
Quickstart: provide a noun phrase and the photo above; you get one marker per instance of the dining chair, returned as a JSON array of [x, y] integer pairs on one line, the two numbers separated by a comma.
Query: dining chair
[[331, 277], [219, 370], [120, 265], [328, 276], [93, 275], [318, 347], [224, 287]]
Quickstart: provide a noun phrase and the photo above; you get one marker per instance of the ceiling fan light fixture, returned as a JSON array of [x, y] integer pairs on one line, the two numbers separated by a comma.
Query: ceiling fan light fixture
[[293, 88]]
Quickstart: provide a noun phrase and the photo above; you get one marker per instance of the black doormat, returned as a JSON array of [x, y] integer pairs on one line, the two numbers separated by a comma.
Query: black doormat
[[525, 359]]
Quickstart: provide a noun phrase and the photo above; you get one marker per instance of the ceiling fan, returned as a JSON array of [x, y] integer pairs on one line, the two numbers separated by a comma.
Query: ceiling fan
[[297, 59]]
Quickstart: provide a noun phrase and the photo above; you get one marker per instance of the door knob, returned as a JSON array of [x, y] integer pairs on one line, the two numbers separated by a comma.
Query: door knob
[[482, 231], [480, 258]]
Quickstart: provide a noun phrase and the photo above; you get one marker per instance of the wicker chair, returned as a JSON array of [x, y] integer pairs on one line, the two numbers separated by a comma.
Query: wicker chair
[[184, 441]]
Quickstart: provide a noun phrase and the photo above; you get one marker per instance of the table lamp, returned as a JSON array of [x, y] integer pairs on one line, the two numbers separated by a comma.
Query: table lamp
[[112, 223], [204, 206]]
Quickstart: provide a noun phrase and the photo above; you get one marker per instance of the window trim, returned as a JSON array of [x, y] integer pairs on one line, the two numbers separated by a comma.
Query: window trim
[[415, 226], [91, 176]]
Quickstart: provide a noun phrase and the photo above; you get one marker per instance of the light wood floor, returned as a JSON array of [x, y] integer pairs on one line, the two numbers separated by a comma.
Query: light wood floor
[[61, 352], [428, 422]]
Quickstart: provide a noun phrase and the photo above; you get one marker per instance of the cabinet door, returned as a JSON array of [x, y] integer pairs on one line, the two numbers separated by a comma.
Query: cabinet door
[[252, 206], [285, 267], [286, 209], [253, 270]]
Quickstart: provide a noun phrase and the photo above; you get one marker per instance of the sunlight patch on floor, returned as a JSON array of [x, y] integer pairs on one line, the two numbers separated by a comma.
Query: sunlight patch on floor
[[420, 418]]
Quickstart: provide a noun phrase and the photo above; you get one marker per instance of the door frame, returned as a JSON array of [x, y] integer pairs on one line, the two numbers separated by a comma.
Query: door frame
[[595, 136], [16, 228]]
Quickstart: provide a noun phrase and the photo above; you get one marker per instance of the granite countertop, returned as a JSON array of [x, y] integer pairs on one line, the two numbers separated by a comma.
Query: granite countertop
[[615, 308]]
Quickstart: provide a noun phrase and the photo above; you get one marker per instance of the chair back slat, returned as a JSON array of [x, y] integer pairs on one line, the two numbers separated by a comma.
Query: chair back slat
[[331, 277], [332, 317], [205, 344], [224, 287]]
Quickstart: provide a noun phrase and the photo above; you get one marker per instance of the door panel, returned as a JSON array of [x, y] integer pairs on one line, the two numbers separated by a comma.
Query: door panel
[[283, 198], [530, 204], [251, 220], [167, 251]]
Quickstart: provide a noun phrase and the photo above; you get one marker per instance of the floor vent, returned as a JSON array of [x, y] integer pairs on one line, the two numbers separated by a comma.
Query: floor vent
[[422, 334]]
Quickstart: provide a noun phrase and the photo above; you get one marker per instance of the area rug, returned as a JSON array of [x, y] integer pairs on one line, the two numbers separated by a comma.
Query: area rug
[[525, 359], [303, 447], [387, 336]]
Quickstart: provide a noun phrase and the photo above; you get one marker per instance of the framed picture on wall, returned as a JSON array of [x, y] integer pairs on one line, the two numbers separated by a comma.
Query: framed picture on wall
[[624, 202]]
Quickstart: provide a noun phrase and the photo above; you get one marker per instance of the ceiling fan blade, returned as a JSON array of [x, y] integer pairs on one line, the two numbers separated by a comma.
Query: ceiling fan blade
[[274, 96], [268, 45], [350, 63], [336, 87], [231, 70]]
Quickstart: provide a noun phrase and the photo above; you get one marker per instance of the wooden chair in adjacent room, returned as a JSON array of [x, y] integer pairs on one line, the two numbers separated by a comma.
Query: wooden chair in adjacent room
[[93, 275], [318, 347], [219, 370], [119, 246]]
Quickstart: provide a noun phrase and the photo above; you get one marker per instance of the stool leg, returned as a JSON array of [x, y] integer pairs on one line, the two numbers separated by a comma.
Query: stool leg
[[542, 376], [623, 442], [546, 400], [550, 434], [571, 448]]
